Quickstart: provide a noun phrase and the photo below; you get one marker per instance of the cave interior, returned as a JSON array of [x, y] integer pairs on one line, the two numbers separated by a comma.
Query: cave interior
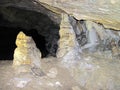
[[43, 30]]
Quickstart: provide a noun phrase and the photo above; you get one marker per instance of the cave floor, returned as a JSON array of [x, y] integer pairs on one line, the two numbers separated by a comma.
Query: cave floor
[[54, 76]]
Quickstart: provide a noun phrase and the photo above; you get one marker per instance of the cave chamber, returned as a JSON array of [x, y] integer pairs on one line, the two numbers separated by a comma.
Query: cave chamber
[[44, 31]]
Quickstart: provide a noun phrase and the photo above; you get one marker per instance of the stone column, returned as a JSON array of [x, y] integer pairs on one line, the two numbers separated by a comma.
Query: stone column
[[68, 45]]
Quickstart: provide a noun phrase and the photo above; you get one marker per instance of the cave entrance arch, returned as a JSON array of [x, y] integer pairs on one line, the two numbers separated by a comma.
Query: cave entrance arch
[[43, 30]]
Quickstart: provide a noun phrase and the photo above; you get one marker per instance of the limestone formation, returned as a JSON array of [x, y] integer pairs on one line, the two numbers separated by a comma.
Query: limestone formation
[[69, 48], [67, 37], [92, 36], [26, 51], [102, 11], [80, 30], [89, 44], [37, 23]]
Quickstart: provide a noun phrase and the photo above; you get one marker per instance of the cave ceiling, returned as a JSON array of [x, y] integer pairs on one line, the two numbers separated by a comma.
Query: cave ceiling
[[106, 12]]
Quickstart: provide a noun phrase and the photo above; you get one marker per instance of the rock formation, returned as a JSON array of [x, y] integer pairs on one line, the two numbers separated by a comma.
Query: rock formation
[[69, 48], [26, 51], [36, 23], [102, 11], [93, 25], [94, 37], [83, 34]]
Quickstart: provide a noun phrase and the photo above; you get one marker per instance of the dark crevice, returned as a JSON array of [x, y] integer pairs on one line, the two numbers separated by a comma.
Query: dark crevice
[[39, 40], [7, 42], [8, 37]]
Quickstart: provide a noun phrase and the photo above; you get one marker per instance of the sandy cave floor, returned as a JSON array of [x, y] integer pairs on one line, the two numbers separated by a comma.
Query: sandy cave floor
[[54, 76], [12, 79]]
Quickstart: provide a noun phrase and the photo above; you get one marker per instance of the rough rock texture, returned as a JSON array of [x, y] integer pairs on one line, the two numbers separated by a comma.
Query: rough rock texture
[[103, 11], [106, 12], [34, 23], [102, 40], [26, 52], [69, 48], [96, 73], [86, 47], [67, 37], [93, 37], [31, 5]]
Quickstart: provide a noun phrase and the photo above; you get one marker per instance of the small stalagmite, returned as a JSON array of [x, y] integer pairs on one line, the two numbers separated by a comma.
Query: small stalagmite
[[26, 52]]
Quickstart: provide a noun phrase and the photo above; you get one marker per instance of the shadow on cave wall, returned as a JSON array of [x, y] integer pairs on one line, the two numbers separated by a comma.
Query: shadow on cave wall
[[8, 37], [7, 42], [39, 40], [43, 30]]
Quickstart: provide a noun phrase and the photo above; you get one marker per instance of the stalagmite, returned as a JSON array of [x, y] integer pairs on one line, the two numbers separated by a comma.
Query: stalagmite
[[26, 52], [69, 48]]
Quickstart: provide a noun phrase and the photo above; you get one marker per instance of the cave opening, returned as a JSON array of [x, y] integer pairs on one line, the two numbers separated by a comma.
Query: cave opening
[[39, 40], [7, 45], [39, 26]]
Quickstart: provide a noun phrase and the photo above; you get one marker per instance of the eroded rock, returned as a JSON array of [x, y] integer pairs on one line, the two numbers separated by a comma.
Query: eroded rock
[[105, 12], [94, 37], [26, 51], [69, 49]]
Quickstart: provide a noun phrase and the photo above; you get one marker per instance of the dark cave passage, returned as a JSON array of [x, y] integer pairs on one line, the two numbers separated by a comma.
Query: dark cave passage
[[8, 37], [39, 26], [39, 40], [7, 42]]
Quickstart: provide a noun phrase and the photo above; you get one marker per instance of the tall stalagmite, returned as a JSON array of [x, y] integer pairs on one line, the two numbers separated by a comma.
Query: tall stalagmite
[[69, 48]]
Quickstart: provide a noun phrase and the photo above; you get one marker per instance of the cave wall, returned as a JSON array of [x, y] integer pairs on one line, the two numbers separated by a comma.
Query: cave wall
[[96, 39], [102, 11], [32, 6], [48, 22], [85, 46]]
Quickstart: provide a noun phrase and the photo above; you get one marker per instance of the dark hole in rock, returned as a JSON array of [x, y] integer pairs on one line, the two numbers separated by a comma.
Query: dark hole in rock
[[8, 38], [7, 42], [39, 40], [43, 30]]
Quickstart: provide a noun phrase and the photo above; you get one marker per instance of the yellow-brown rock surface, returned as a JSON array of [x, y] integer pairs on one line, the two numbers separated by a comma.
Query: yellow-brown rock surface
[[26, 51], [69, 50], [67, 37]]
